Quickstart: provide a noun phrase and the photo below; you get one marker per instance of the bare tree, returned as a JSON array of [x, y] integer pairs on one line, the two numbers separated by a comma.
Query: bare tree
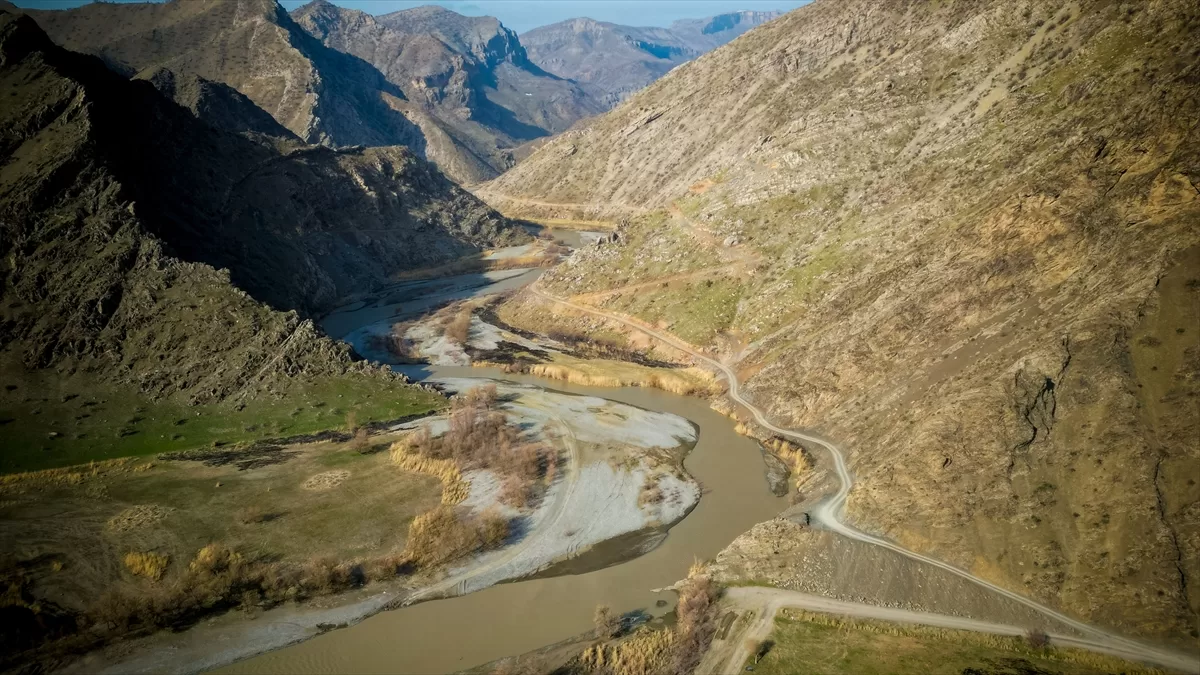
[[607, 624]]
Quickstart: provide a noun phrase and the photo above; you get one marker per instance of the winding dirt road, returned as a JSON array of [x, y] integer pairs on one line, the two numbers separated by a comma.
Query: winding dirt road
[[766, 602], [830, 511]]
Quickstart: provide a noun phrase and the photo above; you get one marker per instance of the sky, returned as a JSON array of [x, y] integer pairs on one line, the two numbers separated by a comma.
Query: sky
[[522, 15]]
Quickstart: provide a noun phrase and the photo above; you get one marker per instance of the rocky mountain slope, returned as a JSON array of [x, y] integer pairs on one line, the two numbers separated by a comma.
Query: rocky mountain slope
[[458, 91], [149, 254], [216, 103], [962, 239], [618, 60], [467, 81], [320, 94]]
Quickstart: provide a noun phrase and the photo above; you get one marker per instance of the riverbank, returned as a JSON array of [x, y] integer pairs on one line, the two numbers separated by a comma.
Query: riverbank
[[459, 632], [612, 454]]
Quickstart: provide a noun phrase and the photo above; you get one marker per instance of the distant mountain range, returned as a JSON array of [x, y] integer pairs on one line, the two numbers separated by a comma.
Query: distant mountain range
[[467, 81], [459, 91], [615, 60]]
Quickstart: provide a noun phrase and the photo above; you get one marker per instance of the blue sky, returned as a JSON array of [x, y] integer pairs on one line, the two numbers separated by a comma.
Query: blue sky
[[522, 15]]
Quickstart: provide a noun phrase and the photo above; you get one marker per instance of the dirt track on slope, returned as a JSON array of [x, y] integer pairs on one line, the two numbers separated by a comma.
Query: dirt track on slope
[[829, 512]]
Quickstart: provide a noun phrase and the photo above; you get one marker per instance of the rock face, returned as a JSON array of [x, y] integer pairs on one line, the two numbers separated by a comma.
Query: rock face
[[319, 94], [456, 90], [968, 250], [217, 104], [618, 60], [467, 81], [145, 246]]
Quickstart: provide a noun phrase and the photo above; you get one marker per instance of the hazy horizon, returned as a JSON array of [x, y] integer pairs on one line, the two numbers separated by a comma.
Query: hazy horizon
[[525, 15]]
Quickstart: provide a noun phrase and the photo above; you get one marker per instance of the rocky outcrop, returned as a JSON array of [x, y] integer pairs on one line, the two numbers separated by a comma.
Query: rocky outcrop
[[956, 256]]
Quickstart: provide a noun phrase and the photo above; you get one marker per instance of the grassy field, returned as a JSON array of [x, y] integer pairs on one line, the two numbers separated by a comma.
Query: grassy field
[[696, 311], [300, 504], [804, 642], [51, 421]]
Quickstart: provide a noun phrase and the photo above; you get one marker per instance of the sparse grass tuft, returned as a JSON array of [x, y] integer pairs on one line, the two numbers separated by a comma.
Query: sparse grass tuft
[[151, 566]]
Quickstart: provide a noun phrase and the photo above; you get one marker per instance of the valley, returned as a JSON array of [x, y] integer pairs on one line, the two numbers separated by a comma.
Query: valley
[[857, 338]]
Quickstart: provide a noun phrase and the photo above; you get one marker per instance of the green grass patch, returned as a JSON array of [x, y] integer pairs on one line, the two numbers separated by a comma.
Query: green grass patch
[[696, 311], [49, 422], [815, 643], [806, 279]]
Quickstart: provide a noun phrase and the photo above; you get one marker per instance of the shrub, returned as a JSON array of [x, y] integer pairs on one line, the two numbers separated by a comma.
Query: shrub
[[459, 327], [607, 624], [362, 438], [250, 515], [214, 559], [1037, 638], [152, 566], [696, 626], [483, 396]]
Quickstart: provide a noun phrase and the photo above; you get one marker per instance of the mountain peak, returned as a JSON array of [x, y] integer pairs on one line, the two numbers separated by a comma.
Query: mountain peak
[[620, 60]]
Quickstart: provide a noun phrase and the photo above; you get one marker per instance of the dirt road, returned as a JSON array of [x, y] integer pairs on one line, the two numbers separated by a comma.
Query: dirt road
[[731, 653], [829, 512]]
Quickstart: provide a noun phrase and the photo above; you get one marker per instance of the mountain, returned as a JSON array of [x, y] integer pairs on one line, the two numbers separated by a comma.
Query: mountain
[[150, 256], [458, 91], [216, 103], [467, 80], [960, 239], [707, 34], [319, 94], [619, 60]]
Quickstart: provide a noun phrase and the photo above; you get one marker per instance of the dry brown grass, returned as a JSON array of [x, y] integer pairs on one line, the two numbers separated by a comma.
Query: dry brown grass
[[220, 578], [148, 565], [454, 488], [646, 652], [674, 651], [440, 536], [458, 328], [72, 475], [689, 382], [138, 516]]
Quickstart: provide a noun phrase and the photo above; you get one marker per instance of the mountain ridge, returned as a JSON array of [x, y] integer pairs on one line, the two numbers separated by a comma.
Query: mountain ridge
[[464, 110], [149, 251], [467, 79], [618, 60]]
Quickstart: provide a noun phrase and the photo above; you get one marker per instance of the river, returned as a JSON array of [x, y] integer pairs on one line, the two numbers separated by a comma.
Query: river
[[441, 636]]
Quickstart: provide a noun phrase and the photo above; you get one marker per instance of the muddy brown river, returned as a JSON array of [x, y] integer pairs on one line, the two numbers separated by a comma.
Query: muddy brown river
[[442, 636]]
